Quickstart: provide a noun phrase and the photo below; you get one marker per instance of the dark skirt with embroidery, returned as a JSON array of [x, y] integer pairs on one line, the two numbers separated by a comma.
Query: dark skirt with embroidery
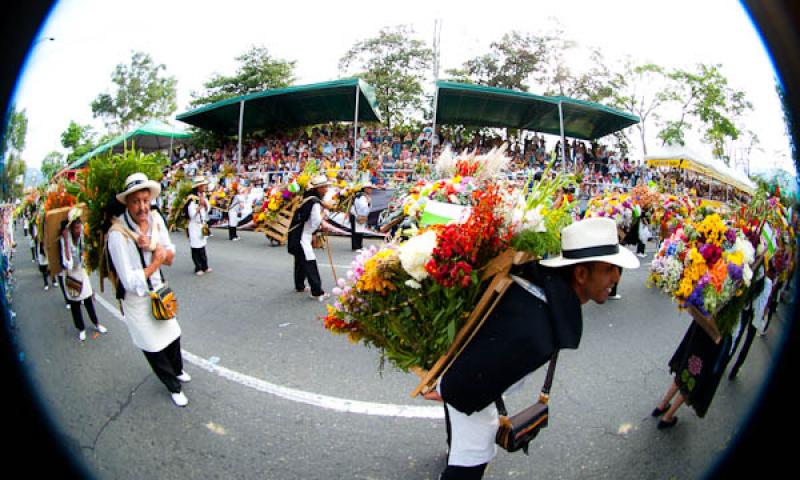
[[698, 365]]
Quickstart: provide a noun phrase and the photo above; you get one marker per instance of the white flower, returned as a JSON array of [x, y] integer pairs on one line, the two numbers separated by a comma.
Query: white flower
[[416, 252], [747, 274], [413, 284], [534, 220], [743, 245]]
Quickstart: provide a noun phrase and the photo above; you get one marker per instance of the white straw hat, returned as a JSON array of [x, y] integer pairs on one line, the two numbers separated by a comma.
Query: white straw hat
[[136, 182], [592, 240], [319, 181], [198, 181]]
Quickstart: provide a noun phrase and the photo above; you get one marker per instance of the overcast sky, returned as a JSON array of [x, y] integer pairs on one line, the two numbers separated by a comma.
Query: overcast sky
[[195, 39]]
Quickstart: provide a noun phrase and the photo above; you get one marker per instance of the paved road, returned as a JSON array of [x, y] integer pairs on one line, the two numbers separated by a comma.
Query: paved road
[[274, 395]]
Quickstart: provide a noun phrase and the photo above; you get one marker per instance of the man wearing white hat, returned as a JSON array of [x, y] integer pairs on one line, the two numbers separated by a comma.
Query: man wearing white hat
[[359, 213], [306, 220], [197, 227], [139, 245], [539, 314]]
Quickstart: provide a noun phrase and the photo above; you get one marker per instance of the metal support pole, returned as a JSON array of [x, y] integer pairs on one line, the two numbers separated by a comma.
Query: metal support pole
[[435, 111], [355, 134], [241, 123], [563, 140]]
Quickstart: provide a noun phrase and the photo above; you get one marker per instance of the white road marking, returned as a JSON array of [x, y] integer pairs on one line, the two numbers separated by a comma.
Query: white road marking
[[301, 396]]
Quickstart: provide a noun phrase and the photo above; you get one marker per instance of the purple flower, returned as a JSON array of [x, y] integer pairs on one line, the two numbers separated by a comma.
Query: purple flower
[[286, 194], [730, 235], [695, 365], [696, 298], [734, 272]]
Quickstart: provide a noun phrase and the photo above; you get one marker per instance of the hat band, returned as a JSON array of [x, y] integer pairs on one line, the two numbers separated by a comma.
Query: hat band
[[134, 183], [598, 251]]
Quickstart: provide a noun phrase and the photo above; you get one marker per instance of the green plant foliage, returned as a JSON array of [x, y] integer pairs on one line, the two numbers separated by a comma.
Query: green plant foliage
[[100, 182]]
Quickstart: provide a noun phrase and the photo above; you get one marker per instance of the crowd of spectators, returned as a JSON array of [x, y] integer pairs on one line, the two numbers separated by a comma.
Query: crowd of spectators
[[404, 155]]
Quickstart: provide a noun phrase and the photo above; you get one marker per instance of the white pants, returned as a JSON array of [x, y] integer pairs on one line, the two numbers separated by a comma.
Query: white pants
[[472, 436]]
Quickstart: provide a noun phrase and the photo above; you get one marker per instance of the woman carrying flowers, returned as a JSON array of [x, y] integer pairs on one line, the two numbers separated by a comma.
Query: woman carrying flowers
[[714, 284]]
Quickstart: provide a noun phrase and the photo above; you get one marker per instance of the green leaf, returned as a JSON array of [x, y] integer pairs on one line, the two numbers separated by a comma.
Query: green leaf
[[451, 331]]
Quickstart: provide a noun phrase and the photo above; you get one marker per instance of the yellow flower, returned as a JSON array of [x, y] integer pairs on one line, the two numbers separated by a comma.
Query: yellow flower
[[736, 257], [302, 180]]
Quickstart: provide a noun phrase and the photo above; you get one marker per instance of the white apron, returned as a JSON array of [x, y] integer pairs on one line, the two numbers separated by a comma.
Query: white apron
[[146, 332]]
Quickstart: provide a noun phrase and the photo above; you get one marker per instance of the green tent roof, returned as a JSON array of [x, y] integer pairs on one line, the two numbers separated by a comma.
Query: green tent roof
[[289, 107], [468, 104], [152, 136]]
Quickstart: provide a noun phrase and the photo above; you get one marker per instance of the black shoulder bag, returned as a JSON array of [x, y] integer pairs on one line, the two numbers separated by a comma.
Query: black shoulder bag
[[516, 432]]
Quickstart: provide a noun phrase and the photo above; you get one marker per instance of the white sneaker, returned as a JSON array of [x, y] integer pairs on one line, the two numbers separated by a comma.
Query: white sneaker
[[209, 270], [322, 298], [180, 399], [82, 335], [199, 273], [615, 297], [46, 288], [100, 328], [68, 306], [184, 377]]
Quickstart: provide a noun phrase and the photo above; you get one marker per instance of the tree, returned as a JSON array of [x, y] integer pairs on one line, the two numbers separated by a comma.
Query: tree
[[509, 64], [15, 132], [52, 163], [395, 64], [13, 171], [257, 71], [79, 139], [705, 96], [142, 93], [16, 129], [640, 89]]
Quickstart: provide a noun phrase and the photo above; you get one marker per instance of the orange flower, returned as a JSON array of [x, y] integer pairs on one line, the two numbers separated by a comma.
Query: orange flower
[[718, 274]]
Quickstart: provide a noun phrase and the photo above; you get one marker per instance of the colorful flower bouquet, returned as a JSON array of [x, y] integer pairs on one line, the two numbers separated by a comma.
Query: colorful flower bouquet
[[219, 198], [646, 198], [706, 265], [409, 299], [616, 206], [670, 214]]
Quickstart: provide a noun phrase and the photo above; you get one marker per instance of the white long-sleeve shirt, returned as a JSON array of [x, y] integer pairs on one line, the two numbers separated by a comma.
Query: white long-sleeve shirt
[[197, 217], [147, 333]]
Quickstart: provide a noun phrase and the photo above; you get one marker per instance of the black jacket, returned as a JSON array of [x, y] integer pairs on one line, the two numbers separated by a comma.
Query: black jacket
[[518, 337], [301, 216]]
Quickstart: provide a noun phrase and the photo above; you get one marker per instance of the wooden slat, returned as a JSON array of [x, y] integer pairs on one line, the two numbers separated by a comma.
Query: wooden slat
[[499, 269]]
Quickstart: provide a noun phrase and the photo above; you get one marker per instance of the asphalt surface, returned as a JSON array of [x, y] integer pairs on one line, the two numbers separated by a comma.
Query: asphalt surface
[[248, 338]]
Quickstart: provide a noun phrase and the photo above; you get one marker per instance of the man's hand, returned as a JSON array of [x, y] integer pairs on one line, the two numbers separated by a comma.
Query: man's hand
[[159, 255], [143, 241], [433, 395]]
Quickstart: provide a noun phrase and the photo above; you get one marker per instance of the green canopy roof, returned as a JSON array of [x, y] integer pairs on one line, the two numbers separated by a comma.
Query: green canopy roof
[[289, 107], [468, 104], [152, 136]]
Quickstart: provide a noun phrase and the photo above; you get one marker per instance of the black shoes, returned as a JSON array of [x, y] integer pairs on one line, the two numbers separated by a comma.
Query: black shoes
[[663, 425], [657, 412]]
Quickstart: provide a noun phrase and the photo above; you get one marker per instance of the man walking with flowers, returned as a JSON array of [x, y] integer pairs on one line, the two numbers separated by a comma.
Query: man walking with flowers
[[306, 220], [539, 315]]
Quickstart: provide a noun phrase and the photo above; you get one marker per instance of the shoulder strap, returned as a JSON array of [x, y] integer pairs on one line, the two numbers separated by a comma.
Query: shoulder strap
[[141, 255]]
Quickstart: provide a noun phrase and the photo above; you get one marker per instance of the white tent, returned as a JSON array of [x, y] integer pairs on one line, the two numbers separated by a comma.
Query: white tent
[[682, 157]]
